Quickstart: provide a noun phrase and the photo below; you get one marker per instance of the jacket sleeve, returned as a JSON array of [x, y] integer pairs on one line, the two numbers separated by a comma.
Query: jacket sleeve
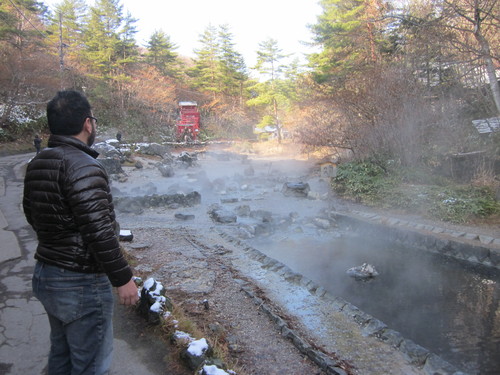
[[27, 205], [91, 203]]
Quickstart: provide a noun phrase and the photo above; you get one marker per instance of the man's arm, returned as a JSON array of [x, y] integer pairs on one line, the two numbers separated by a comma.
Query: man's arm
[[90, 203]]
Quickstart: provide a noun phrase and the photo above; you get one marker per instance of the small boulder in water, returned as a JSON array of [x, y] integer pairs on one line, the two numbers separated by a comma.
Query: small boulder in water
[[364, 272]]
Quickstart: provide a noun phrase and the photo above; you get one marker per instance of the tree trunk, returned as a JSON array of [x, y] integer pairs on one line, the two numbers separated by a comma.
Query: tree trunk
[[486, 55], [490, 69], [278, 126]]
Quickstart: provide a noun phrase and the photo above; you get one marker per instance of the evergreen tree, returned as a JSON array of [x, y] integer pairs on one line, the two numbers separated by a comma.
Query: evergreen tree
[[219, 68], [419, 46], [102, 36], [268, 60], [232, 64], [160, 54], [128, 46], [66, 29], [350, 33], [271, 93], [207, 74], [292, 75], [19, 19]]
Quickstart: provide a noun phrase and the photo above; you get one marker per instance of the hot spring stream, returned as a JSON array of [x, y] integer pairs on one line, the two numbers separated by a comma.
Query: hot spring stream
[[450, 307]]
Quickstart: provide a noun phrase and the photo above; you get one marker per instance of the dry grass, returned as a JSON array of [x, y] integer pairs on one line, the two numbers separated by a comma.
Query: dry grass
[[485, 177]]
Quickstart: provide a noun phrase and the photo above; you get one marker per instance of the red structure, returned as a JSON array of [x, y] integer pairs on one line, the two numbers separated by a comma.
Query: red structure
[[188, 123]]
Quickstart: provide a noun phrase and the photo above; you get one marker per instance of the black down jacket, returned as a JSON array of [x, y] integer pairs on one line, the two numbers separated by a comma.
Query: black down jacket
[[68, 203]]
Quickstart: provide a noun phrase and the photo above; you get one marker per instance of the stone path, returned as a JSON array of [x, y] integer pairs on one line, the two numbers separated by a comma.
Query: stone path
[[24, 328]]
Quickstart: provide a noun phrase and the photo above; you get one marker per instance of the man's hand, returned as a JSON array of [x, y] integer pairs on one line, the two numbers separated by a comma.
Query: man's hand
[[128, 293]]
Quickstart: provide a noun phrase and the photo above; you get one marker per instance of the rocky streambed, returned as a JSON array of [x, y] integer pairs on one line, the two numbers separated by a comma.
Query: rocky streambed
[[203, 229]]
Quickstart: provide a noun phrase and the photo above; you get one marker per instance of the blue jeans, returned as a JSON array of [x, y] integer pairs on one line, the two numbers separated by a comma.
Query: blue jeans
[[80, 309]]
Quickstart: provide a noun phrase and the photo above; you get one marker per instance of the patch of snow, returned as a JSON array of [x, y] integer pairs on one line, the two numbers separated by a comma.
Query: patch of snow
[[183, 337], [149, 283], [156, 307], [125, 232], [214, 370], [158, 287], [198, 347]]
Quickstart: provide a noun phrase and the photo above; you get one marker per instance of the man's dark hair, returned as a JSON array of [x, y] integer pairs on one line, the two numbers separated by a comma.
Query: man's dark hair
[[67, 112]]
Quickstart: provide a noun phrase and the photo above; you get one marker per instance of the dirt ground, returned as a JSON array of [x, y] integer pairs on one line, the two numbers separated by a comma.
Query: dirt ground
[[196, 264], [201, 281]]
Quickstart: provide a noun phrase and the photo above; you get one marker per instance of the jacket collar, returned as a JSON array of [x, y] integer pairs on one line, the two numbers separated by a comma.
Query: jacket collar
[[60, 140]]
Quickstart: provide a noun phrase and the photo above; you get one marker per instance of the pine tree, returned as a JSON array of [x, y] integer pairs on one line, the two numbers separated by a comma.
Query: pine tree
[[102, 36], [207, 74], [232, 64], [350, 33], [128, 46], [19, 20], [271, 93], [219, 68], [160, 54], [66, 30]]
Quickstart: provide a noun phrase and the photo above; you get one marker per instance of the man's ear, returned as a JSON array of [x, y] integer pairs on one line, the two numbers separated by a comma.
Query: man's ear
[[87, 125]]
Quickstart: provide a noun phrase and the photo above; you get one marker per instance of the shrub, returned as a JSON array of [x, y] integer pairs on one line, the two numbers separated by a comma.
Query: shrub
[[362, 181], [387, 185], [460, 204]]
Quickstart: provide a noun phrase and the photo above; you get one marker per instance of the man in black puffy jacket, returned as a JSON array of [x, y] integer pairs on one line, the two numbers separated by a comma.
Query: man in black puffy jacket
[[68, 203]]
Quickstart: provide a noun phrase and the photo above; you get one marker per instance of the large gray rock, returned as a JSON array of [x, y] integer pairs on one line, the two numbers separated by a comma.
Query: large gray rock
[[154, 149], [166, 170], [112, 166], [107, 150], [187, 158], [128, 205], [364, 272], [221, 215], [295, 189], [196, 353]]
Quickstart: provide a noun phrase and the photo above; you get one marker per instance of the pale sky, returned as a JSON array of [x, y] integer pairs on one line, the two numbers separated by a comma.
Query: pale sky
[[250, 22]]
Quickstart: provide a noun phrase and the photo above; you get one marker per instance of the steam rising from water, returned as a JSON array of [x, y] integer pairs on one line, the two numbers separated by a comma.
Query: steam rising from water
[[447, 306], [444, 305]]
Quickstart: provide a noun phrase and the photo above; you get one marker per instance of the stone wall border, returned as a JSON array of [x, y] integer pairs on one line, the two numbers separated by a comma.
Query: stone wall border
[[469, 247]]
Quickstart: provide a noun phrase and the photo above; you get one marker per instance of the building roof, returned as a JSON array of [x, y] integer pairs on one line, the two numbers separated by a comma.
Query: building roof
[[182, 104], [487, 125]]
